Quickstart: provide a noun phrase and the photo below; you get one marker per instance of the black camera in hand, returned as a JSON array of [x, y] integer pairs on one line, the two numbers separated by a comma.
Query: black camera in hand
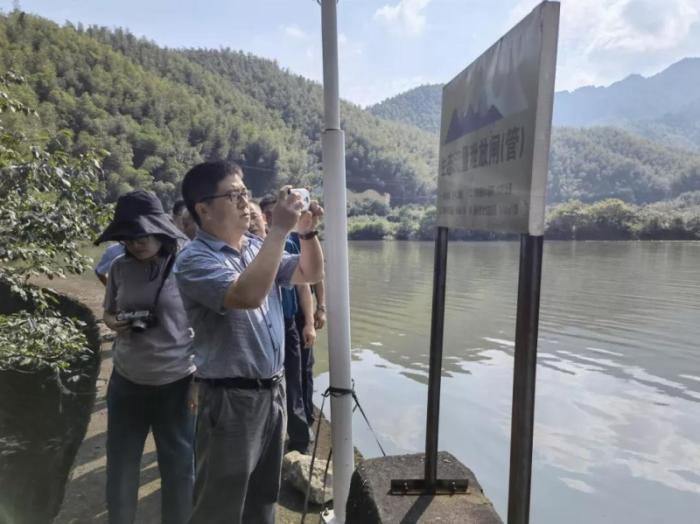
[[139, 321]]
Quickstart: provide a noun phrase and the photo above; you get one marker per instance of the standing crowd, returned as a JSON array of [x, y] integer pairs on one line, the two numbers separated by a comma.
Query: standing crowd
[[215, 311]]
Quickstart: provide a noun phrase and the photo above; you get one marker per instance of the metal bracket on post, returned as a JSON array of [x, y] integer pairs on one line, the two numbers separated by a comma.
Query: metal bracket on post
[[420, 487], [431, 485]]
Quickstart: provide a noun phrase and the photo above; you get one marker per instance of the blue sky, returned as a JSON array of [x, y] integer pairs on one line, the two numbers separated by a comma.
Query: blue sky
[[389, 46]]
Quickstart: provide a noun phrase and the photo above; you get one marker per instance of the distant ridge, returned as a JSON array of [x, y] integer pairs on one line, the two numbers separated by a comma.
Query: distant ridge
[[419, 106], [664, 108], [652, 154], [633, 98]]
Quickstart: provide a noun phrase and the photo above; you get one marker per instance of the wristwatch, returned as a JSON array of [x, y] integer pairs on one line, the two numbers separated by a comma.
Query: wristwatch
[[309, 235], [320, 307]]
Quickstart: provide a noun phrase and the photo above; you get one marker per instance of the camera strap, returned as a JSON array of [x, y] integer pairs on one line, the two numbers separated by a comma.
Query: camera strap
[[166, 272]]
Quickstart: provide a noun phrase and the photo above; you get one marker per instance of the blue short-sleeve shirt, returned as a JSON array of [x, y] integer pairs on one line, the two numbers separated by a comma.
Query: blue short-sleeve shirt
[[231, 342], [290, 301], [105, 262]]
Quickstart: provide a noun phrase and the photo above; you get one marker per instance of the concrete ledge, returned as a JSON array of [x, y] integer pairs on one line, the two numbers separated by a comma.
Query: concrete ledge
[[369, 501]]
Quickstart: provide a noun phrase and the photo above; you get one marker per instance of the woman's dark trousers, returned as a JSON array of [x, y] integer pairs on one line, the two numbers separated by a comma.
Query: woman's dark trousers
[[133, 410]]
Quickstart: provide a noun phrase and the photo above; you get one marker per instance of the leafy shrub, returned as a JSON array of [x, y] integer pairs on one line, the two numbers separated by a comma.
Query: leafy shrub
[[368, 228], [50, 205], [368, 206]]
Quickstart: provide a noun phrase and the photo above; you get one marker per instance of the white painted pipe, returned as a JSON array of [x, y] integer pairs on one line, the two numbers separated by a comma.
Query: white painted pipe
[[331, 97], [337, 271]]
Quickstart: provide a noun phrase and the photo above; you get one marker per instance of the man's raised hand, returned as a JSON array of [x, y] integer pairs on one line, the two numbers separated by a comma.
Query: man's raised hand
[[308, 221], [286, 211]]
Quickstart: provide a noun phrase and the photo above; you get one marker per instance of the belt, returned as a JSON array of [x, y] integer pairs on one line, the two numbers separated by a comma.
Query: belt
[[243, 383]]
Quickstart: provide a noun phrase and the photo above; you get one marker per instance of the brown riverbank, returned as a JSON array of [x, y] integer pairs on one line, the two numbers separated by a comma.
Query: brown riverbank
[[84, 499]]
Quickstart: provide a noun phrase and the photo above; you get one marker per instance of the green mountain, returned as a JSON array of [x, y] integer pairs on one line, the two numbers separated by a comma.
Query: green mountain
[[632, 99], [158, 111], [664, 107], [652, 154], [419, 106], [602, 162]]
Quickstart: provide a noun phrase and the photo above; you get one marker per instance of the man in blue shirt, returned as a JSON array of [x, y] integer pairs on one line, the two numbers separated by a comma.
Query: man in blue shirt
[[297, 344], [230, 283], [105, 262]]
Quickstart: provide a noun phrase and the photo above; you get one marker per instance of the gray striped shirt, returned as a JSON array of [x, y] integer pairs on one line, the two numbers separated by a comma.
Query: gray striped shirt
[[231, 342]]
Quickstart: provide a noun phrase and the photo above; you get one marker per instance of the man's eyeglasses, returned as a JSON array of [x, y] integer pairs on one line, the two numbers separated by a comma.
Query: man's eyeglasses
[[233, 195]]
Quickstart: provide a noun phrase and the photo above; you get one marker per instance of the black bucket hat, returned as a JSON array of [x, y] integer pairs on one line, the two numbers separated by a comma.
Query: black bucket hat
[[139, 214]]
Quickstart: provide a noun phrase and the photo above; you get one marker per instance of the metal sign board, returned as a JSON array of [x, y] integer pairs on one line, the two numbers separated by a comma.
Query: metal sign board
[[495, 131]]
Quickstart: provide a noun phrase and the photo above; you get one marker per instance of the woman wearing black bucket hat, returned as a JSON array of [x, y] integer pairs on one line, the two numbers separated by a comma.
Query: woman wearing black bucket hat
[[150, 384]]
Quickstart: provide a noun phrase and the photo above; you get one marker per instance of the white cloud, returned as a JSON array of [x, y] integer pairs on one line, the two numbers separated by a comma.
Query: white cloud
[[294, 31], [601, 41], [405, 18]]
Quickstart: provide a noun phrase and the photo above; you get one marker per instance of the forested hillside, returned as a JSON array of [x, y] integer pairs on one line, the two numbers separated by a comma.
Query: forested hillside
[[601, 162], [158, 111]]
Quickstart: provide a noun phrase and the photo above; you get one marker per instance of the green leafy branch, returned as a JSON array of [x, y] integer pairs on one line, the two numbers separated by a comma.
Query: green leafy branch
[[51, 203]]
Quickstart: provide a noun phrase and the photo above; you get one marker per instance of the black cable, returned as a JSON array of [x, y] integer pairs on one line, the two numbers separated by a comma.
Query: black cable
[[313, 459], [334, 392]]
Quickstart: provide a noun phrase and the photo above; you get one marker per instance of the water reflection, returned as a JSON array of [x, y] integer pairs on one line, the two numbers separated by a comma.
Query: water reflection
[[618, 412]]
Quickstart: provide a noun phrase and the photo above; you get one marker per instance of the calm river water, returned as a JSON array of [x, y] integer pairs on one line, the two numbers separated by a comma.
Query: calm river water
[[617, 425]]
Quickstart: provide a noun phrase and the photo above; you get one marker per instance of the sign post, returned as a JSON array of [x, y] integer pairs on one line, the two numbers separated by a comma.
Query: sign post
[[494, 149]]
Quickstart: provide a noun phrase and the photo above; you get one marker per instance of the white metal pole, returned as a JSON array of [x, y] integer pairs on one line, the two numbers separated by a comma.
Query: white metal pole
[[337, 271]]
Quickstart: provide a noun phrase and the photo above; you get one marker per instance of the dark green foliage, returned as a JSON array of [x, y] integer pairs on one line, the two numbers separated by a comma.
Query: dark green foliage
[[49, 205], [30, 343]]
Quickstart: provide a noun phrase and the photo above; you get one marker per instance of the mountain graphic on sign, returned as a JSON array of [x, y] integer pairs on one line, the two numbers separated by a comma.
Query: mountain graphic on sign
[[465, 123]]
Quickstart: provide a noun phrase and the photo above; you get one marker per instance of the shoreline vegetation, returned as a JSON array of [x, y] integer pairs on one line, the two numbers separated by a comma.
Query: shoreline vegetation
[[610, 219]]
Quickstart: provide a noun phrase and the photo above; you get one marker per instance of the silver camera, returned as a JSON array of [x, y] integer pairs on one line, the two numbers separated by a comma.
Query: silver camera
[[304, 196], [139, 321]]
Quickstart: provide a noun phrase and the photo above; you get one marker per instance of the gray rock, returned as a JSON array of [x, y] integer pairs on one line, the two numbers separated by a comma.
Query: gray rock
[[295, 469]]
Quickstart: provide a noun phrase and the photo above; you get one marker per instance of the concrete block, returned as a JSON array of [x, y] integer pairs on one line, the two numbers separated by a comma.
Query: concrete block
[[370, 502]]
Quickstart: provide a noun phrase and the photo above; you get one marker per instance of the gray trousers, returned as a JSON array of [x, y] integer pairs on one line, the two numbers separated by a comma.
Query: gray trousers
[[238, 454]]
